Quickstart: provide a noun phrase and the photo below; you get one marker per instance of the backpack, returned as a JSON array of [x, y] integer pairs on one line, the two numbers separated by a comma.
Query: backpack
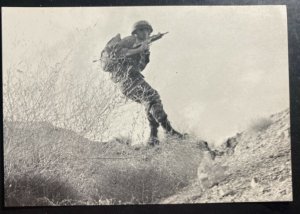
[[108, 56]]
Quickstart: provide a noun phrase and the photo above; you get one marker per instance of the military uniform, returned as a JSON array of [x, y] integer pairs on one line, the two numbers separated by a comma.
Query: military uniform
[[132, 84]]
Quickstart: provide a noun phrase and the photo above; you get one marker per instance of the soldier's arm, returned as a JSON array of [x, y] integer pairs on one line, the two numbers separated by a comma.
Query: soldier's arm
[[144, 61], [125, 47], [132, 51]]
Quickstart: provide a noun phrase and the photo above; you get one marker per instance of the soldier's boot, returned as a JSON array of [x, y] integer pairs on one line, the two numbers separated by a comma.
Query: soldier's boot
[[153, 138], [170, 130]]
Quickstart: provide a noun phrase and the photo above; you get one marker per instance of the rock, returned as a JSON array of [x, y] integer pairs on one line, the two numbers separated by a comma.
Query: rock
[[265, 190], [209, 174], [137, 148], [221, 192], [281, 178], [204, 181], [254, 182], [283, 192], [230, 193]]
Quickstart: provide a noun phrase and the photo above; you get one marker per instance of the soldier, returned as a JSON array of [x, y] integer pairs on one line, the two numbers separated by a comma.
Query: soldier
[[132, 84]]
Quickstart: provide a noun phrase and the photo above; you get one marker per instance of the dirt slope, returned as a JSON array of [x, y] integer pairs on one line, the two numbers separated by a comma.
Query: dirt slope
[[257, 164], [46, 165]]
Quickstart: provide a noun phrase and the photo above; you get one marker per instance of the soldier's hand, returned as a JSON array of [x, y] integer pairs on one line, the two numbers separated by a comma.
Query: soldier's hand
[[144, 46]]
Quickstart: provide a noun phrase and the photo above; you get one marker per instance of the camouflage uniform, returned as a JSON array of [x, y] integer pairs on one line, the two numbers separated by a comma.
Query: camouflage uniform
[[132, 84]]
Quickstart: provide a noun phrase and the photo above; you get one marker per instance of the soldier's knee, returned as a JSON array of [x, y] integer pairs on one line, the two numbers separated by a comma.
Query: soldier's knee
[[158, 112]]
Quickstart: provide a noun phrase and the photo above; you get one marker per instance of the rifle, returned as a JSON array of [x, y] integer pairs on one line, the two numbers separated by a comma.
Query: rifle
[[150, 39]]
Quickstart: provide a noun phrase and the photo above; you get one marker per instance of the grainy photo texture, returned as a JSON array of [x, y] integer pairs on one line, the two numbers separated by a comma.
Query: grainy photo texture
[[145, 105]]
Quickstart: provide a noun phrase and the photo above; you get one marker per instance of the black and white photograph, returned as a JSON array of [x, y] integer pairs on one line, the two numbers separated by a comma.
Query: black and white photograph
[[145, 105]]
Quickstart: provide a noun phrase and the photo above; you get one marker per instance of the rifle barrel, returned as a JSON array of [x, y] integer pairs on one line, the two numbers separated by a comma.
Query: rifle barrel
[[152, 39]]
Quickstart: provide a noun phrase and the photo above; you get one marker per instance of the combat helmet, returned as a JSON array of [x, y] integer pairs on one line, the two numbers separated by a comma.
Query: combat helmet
[[141, 24]]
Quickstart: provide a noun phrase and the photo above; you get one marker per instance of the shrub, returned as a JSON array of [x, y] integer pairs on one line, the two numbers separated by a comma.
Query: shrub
[[45, 165], [34, 189], [260, 124]]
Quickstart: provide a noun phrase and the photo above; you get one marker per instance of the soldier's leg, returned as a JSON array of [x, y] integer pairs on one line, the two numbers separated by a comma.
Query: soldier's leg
[[147, 94], [144, 93], [157, 111], [141, 94], [160, 115], [153, 138]]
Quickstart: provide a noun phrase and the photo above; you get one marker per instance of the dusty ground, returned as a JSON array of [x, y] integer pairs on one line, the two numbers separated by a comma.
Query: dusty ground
[[46, 165], [257, 167]]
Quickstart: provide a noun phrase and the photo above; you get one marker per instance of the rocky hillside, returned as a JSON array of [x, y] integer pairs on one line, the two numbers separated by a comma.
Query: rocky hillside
[[254, 165]]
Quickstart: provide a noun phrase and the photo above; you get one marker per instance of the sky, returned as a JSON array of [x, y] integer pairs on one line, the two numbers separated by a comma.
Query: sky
[[219, 67]]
